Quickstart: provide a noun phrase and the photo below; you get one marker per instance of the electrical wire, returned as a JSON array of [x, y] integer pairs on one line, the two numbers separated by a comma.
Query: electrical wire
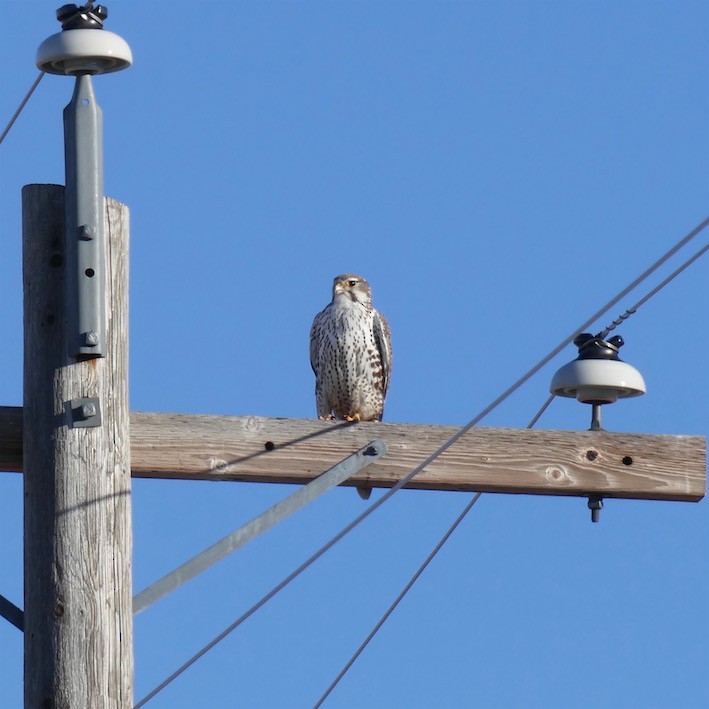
[[539, 413], [415, 577], [659, 287], [409, 476], [398, 599], [21, 106]]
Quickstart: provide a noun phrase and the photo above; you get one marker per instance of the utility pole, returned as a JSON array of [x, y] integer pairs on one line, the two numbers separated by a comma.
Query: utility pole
[[76, 438], [78, 446], [77, 531]]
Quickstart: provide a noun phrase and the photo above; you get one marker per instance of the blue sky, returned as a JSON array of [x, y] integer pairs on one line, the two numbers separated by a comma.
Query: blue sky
[[498, 171]]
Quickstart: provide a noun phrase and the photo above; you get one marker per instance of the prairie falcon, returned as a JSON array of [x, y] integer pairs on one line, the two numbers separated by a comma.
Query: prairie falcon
[[350, 353]]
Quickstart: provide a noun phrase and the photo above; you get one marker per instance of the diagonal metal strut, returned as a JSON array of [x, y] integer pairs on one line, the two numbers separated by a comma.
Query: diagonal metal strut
[[334, 476], [12, 613]]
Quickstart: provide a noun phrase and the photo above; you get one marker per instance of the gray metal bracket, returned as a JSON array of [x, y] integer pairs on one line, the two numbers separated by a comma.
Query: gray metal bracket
[[12, 613], [85, 280], [85, 412], [334, 476]]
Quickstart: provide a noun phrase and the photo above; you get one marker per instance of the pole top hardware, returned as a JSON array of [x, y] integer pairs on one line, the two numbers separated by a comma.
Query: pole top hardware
[[78, 49], [598, 375], [86, 17]]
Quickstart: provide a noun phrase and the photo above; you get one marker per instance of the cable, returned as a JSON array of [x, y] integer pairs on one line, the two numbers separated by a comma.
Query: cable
[[21, 106], [642, 301], [404, 591], [407, 478], [539, 413], [415, 577]]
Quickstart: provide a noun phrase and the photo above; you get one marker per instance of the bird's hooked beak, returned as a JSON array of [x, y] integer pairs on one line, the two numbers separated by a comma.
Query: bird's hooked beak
[[340, 287]]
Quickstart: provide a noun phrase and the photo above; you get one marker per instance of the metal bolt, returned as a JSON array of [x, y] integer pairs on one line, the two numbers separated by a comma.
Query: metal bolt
[[88, 410], [91, 338], [364, 492], [595, 504], [88, 232], [596, 417]]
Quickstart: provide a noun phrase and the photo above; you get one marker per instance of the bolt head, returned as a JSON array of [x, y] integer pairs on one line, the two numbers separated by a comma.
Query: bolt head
[[88, 410]]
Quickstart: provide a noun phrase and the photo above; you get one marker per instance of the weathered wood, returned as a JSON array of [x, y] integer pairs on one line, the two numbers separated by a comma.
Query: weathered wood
[[489, 460], [259, 449], [78, 615]]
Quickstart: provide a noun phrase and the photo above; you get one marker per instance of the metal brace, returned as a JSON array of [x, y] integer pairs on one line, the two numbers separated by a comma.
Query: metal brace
[[85, 282], [12, 613], [85, 412], [334, 476]]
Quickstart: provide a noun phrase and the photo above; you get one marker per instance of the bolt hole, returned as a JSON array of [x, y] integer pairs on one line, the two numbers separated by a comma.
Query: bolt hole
[[269, 445], [627, 460], [89, 272], [85, 102], [591, 455]]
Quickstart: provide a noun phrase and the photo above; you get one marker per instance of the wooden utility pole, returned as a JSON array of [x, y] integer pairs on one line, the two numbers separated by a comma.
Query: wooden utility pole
[[77, 505]]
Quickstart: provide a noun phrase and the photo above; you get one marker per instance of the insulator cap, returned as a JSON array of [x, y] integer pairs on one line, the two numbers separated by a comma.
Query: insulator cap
[[598, 375], [86, 17], [83, 51]]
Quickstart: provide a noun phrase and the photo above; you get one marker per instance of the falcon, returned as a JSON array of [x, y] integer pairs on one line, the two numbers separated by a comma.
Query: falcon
[[350, 353]]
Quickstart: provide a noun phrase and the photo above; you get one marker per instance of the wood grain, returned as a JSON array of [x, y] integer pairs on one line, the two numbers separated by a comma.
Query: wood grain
[[537, 462], [78, 611], [490, 460]]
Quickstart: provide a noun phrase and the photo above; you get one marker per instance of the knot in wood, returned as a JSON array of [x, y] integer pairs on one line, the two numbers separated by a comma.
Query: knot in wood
[[555, 473], [217, 465], [252, 423]]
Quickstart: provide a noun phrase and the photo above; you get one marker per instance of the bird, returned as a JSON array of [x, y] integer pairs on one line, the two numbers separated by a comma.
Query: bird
[[350, 353]]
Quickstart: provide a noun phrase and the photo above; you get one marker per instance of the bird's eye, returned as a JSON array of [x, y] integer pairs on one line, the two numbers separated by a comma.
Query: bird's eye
[[351, 283]]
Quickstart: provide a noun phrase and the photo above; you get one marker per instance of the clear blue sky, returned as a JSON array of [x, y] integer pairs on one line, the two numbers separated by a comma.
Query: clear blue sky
[[498, 171]]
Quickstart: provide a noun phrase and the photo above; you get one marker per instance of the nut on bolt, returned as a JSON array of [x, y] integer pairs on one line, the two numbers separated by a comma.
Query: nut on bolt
[[88, 410]]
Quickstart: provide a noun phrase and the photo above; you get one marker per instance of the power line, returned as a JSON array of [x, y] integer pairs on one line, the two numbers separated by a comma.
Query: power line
[[659, 287], [407, 478], [398, 599], [21, 106], [415, 577]]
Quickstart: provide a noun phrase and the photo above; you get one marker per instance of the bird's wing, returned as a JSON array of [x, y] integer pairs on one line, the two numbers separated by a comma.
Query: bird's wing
[[314, 337], [382, 336]]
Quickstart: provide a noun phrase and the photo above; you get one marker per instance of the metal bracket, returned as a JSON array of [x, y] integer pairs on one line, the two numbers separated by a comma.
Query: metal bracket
[[12, 613], [85, 282], [85, 412], [334, 476]]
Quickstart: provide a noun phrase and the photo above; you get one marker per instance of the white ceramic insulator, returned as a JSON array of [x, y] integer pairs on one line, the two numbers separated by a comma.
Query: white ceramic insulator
[[597, 381], [88, 51]]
